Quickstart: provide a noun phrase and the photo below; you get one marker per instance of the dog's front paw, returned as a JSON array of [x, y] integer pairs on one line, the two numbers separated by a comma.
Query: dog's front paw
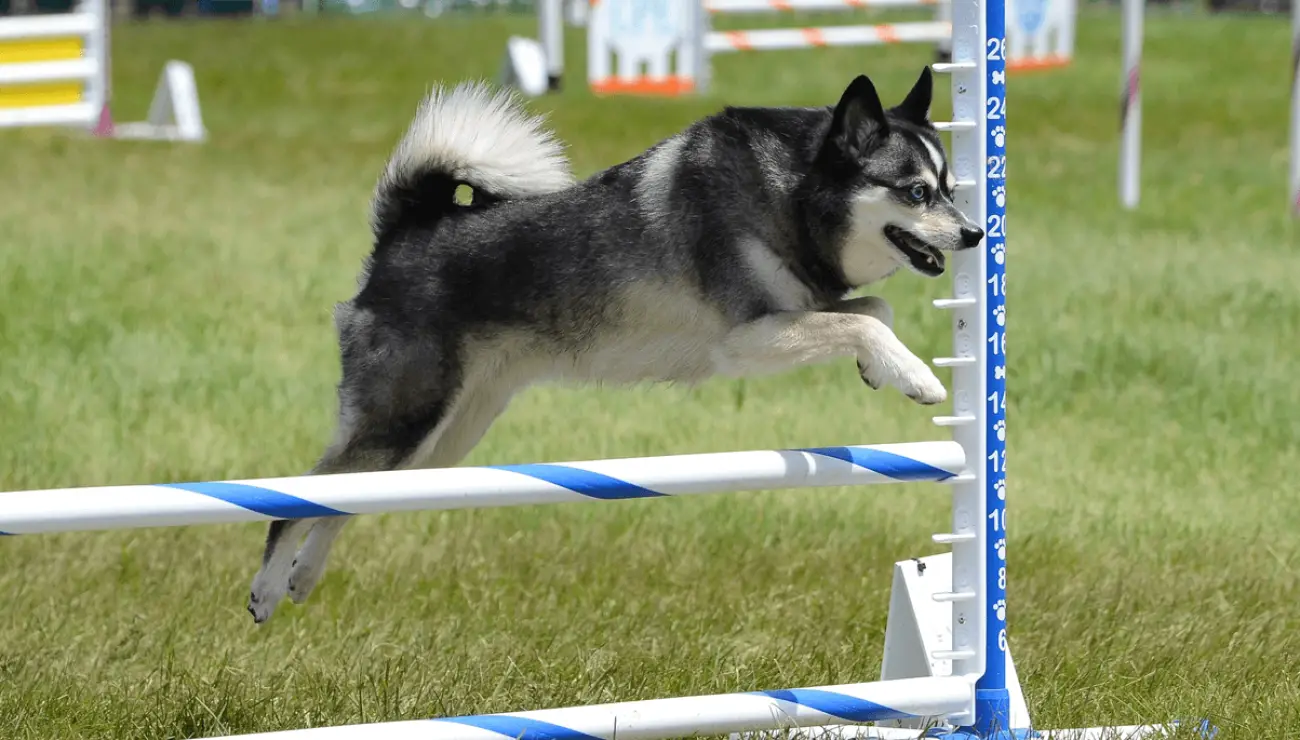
[[870, 376], [906, 372], [920, 384]]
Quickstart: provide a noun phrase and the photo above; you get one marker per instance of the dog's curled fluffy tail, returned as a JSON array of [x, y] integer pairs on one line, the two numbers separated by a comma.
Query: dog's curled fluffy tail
[[467, 135]]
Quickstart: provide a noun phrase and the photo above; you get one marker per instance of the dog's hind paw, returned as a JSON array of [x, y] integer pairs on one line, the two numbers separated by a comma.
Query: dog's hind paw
[[304, 577], [266, 593], [262, 605]]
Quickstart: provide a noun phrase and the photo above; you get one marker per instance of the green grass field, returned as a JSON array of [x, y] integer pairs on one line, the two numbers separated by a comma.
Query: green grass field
[[165, 315]]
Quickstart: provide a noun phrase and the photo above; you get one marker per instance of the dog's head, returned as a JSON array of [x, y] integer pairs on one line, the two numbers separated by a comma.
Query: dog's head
[[891, 167]]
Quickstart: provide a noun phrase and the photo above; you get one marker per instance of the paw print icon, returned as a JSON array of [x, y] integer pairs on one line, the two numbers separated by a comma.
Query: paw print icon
[[1000, 196], [1001, 547], [1000, 315], [1000, 429], [1000, 606], [1000, 134], [1000, 488], [999, 254]]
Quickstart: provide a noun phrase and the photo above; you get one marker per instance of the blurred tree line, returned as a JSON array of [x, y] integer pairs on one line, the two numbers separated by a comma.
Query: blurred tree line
[[136, 7], [434, 8], [200, 8]]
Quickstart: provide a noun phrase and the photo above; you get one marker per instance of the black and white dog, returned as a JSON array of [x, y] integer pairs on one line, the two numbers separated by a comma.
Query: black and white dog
[[727, 249]]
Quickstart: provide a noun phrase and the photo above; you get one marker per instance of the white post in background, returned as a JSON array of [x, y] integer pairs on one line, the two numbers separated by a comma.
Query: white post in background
[[1295, 108], [550, 26], [98, 89], [1130, 147], [943, 14], [576, 12], [699, 66]]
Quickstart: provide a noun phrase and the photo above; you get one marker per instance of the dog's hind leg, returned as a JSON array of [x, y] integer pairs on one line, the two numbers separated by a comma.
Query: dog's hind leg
[[465, 423], [353, 452], [302, 575], [309, 563], [397, 388], [474, 411], [282, 538]]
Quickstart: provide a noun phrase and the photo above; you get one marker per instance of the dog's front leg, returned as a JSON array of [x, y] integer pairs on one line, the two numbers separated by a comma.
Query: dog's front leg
[[868, 306], [785, 340]]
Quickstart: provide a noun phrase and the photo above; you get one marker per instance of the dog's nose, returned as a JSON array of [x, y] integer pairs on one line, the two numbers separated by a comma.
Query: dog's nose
[[971, 237]]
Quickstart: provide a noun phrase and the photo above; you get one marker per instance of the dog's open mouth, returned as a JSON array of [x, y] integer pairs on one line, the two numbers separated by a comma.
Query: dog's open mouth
[[924, 258]]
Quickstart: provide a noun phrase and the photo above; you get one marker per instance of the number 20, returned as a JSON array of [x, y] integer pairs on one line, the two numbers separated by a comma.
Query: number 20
[[995, 227], [995, 49]]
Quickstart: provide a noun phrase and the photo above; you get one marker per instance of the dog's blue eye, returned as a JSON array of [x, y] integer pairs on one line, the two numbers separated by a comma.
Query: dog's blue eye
[[918, 192]]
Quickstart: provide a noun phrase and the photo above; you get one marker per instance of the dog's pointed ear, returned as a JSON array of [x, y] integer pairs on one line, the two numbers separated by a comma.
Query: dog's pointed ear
[[916, 106], [858, 124]]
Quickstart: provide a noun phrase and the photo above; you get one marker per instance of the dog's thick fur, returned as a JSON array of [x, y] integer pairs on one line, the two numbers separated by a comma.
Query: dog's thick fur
[[728, 249]]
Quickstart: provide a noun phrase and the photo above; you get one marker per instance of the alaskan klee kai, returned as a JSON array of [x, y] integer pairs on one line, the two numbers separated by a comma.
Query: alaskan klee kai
[[727, 249]]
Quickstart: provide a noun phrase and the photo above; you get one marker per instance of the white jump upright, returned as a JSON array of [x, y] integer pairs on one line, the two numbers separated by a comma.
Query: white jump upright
[[947, 670], [1130, 144], [550, 25], [55, 71], [1295, 108]]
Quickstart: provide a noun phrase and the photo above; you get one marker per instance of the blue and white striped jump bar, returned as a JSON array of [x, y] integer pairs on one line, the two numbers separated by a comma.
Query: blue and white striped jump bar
[[180, 504], [657, 719]]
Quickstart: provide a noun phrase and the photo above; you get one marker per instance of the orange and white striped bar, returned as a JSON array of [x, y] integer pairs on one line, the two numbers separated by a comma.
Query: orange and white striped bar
[[804, 38], [781, 6]]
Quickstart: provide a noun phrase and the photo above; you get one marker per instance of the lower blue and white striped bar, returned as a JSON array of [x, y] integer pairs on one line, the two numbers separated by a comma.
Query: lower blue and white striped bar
[[180, 504], [660, 719], [1202, 730]]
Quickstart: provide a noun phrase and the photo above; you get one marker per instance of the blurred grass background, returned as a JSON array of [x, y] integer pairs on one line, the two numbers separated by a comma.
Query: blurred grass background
[[165, 315]]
